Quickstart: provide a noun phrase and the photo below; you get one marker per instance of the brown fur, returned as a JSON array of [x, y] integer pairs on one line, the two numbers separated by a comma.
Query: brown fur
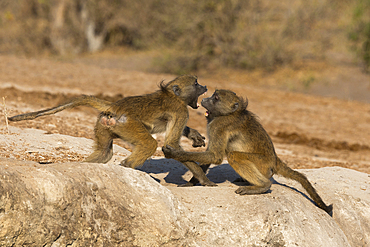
[[134, 119], [234, 132]]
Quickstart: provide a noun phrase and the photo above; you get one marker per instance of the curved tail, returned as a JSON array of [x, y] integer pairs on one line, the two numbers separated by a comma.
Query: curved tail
[[285, 171], [86, 100]]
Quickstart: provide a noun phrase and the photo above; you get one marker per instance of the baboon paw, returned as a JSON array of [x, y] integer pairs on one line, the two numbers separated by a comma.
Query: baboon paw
[[210, 184], [168, 151], [188, 184], [242, 190], [124, 163], [198, 141]]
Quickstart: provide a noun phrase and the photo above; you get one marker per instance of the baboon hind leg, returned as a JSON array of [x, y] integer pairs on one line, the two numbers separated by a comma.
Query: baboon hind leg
[[103, 144], [254, 168], [135, 133]]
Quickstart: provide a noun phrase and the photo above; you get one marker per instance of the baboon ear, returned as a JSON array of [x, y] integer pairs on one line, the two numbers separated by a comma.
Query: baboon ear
[[235, 106], [176, 89]]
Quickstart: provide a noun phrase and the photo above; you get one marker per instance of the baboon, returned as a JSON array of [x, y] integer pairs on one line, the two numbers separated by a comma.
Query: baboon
[[135, 118], [235, 132]]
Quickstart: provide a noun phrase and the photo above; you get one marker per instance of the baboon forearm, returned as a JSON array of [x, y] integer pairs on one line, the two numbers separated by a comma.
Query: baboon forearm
[[200, 157], [174, 131]]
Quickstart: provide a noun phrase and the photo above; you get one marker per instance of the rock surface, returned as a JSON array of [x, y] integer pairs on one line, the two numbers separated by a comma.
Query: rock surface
[[82, 204]]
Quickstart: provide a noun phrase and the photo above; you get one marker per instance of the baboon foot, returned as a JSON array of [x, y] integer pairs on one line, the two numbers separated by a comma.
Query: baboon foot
[[209, 183], [188, 184], [242, 190], [125, 163], [251, 190], [193, 183], [204, 181]]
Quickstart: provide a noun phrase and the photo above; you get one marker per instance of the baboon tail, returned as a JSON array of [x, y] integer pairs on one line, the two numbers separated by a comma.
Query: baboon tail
[[285, 171], [85, 100]]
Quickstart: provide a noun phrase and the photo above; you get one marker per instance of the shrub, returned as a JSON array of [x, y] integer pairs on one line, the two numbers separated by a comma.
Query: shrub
[[359, 33], [191, 34]]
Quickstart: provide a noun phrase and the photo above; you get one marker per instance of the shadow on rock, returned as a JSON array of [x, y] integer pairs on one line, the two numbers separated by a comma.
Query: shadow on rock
[[178, 174]]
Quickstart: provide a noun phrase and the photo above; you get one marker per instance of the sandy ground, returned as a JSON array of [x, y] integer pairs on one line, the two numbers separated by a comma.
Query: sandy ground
[[308, 131]]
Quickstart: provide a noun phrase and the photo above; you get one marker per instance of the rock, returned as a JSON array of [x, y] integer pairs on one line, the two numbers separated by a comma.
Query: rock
[[285, 216], [349, 191], [84, 204], [38, 145]]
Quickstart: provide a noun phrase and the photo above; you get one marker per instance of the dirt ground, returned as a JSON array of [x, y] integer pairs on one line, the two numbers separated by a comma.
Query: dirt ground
[[308, 130]]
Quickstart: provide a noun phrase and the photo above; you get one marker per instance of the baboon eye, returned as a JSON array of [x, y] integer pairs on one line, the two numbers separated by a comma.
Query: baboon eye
[[216, 97], [195, 83]]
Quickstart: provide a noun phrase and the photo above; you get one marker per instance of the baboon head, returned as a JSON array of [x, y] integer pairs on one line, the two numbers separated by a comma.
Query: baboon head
[[222, 103], [187, 88]]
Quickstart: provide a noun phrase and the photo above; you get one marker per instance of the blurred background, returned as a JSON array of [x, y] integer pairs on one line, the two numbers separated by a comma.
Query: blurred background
[[279, 54], [320, 47]]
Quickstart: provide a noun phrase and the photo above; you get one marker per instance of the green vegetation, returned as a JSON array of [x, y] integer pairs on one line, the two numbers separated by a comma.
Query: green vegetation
[[191, 34], [360, 31]]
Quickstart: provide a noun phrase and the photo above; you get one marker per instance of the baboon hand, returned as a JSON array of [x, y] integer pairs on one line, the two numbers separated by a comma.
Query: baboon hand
[[169, 152], [195, 136], [198, 139]]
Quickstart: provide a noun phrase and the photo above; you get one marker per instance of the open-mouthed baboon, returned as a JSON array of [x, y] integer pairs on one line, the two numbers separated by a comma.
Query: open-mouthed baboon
[[135, 118]]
